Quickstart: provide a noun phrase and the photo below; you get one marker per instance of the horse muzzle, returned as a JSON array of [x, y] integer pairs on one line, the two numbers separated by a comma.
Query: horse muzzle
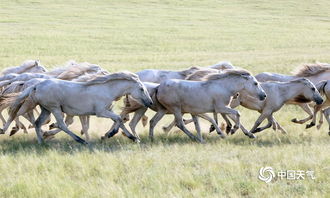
[[262, 97], [318, 101], [148, 103]]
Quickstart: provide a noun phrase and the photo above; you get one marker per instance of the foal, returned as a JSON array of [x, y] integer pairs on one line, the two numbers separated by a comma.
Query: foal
[[278, 93]]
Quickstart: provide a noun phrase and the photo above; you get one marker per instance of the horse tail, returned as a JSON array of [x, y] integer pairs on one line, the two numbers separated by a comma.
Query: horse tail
[[321, 85], [17, 102], [8, 99]]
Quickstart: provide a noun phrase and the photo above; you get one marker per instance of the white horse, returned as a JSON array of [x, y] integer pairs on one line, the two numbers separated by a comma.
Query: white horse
[[324, 89], [57, 96], [71, 71], [30, 66], [314, 72], [199, 97], [278, 93], [158, 76]]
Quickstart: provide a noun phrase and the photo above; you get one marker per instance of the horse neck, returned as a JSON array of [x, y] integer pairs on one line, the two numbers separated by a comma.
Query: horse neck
[[232, 84], [290, 90], [55, 72], [118, 88], [319, 77]]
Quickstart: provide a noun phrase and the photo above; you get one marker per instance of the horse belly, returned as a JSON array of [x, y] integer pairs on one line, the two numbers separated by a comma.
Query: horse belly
[[197, 107], [72, 110]]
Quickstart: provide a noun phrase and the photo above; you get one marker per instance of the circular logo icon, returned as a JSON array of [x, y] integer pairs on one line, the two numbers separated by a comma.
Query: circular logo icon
[[266, 174]]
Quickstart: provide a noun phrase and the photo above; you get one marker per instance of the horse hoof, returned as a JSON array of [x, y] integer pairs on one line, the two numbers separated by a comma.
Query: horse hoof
[[329, 133], [212, 128], [257, 130], [82, 132], [52, 126], [1, 131], [136, 140], [232, 131], [165, 129], [252, 136], [228, 129], [310, 125], [31, 126], [13, 132], [294, 120], [81, 141], [46, 135]]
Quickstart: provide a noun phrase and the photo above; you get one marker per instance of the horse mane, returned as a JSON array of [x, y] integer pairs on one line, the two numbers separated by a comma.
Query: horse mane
[[311, 69], [227, 73], [73, 69], [222, 65], [300, 80], [200, 74], [115, 76], [22, 68], [189, 71], [88, 77]]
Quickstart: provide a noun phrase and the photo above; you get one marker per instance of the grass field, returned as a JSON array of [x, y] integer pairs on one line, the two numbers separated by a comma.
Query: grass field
[[274, 36]]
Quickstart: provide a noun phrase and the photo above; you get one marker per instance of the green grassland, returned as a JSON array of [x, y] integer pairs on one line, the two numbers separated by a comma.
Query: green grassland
[[274, 36]]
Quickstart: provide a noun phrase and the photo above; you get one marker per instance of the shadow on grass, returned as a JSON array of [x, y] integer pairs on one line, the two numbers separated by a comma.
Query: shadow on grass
[[28, 143]]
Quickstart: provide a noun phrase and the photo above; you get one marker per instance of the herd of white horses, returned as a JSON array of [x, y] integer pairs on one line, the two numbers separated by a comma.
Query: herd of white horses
[[84, 89]]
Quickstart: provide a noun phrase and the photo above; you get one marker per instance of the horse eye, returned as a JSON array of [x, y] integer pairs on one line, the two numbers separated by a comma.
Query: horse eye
[[141, 89], [313, 89], [255, 84]]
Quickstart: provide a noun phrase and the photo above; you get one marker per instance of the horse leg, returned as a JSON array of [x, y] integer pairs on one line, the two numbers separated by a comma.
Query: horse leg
[[261, 118], [144, 120], [278, 126], [317, 108], [16, 128], [2, 119], [308, 110], [198, 128], [22, 110], [84, 120], [215, 116], [21, 126], [136, 118], [59, 119], [212, 121], [38, 123], [180, 124], [154, 120], [228, 123], [244, 130], [226, 110], [327, 117], [321, 119], [168, 128], [268, 125], [119, 124]]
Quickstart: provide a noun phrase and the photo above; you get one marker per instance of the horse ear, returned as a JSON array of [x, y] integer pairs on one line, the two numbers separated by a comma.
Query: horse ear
[[37, 62]]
